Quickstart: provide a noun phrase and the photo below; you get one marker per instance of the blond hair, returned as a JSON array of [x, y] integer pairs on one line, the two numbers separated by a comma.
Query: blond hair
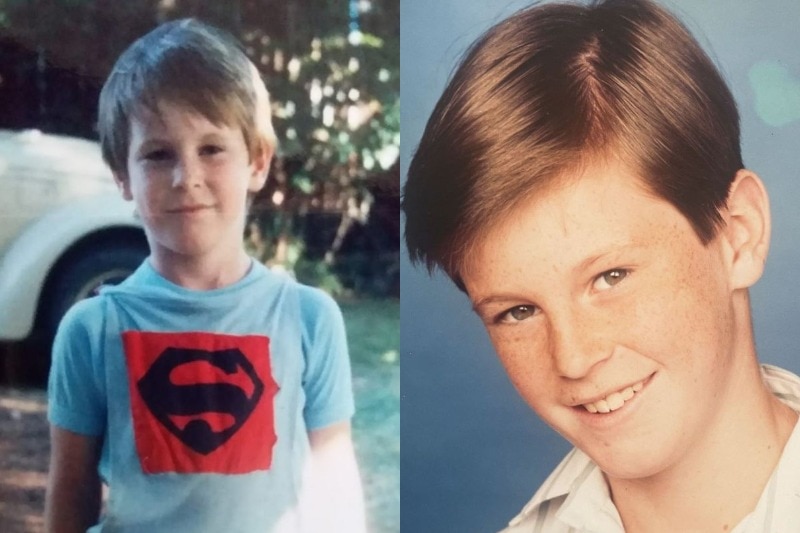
[[187, 63]]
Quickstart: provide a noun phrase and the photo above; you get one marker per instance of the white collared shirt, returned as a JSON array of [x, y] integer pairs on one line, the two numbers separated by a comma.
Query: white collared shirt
[[575, 497]]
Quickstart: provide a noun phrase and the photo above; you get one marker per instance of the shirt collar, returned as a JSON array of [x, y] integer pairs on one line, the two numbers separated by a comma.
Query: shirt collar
[[778, 509]]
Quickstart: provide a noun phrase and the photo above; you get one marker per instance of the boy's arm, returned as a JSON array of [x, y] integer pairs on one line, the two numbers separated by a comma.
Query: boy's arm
[[72, 502], [337, 493]]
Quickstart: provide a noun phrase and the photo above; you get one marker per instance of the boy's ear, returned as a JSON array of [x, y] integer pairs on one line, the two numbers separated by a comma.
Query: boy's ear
[[123, 184], [259, 168], [747, 228]]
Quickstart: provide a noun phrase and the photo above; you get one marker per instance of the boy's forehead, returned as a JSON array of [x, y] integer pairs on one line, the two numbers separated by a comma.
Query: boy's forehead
[[163, 113], [580, 216], [586, 192]]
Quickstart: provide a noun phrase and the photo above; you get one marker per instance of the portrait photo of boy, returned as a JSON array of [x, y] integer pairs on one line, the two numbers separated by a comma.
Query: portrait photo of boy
[[208, 392], [594, 181]]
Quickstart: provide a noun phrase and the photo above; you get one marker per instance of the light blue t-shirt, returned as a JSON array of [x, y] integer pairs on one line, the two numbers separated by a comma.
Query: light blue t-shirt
[[203, 399]]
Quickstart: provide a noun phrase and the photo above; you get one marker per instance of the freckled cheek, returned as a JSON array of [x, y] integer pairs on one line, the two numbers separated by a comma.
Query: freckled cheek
[[524, 358], [677, 325]]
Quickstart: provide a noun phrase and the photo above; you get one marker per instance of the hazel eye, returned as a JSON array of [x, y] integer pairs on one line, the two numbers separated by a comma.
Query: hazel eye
[[517, 314], [610, 278]]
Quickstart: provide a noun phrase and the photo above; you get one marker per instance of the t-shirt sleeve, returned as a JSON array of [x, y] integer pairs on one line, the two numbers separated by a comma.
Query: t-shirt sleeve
[[75, 389], [327, 380]]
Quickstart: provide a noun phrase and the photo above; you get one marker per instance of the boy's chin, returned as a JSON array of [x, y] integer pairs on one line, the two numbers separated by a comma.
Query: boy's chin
[[190, 248], [630, 465], [632, 453]]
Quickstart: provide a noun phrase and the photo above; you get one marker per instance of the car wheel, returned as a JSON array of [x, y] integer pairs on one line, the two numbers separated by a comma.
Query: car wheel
[[79, 276], [83, 274]]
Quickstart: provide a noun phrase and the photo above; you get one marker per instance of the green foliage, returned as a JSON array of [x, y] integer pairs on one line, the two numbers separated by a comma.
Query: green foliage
[[373, 333], [318, 274], [336, 105], [373, 330]]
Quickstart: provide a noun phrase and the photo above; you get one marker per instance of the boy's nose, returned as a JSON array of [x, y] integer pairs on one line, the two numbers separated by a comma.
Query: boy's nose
[[577, 345], [187, 173]]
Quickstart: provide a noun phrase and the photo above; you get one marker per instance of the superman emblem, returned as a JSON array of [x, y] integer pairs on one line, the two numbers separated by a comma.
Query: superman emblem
[[201, 402]]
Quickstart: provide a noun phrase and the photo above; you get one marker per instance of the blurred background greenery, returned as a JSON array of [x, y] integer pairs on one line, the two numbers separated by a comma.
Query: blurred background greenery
[[373, 330], [330, 211]]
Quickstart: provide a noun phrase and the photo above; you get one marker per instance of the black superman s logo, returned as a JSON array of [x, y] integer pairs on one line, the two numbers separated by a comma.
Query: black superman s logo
[[234, 393]]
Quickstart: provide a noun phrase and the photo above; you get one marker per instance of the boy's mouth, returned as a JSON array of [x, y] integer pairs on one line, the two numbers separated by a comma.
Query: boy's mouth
[[188, 209], [615, 400]]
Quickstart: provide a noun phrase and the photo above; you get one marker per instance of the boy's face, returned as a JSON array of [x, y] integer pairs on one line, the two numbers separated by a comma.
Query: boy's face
[[189, 179], [611, 318]]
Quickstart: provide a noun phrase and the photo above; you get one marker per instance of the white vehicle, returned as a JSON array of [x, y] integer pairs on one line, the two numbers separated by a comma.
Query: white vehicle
[[64, 230]]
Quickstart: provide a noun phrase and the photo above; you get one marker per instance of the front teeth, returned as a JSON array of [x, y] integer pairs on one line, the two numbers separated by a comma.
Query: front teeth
[[615, 400]]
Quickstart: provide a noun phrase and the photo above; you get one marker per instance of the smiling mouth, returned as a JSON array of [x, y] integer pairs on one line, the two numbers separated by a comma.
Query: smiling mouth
[[615, 400], [189, 209]]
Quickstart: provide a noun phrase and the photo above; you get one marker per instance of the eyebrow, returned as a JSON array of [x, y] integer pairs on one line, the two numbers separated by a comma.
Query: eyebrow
[[214, 136], [149, 142], [153, 140], [483, 302], [615, 248]]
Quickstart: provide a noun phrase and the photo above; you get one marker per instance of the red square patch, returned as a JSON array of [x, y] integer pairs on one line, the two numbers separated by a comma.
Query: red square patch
[[201, 402]]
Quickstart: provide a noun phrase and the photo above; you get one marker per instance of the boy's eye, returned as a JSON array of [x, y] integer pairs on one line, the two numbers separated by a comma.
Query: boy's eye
[[517, 314], [608, 279], [158, 155], [210, 149]]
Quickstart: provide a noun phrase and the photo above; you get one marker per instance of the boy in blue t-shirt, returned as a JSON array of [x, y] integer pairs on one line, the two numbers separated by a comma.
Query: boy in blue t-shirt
[[207, 392]]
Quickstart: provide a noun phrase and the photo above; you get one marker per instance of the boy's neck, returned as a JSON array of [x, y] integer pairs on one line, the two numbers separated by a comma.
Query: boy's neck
[[705, 491], [207, 272]]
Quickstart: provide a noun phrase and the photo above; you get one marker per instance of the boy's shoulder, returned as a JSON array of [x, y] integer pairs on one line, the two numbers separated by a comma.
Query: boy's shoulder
[[315, 304], [85, 315], [80, 332], [318, 310], [315, 301]]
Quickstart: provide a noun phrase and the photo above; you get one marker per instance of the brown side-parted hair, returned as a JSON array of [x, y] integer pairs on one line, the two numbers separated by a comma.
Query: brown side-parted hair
[[553, 88], [189, 63]]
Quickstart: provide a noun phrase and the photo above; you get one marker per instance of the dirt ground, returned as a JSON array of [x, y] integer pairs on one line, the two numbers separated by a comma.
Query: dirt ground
[[24, 453]]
